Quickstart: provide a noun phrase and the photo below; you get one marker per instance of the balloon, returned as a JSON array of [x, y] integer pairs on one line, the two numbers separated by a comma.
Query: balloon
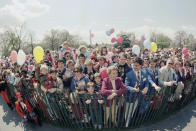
[[136, 49], [92, 35], [185, 51], [143, 37], [27, 57], [147, 44], [38, 54], [120, 40], [31, 68], [108, 33], [21, 57], [103, 72], [153, 47], [112, 30], [113, 40], [13, 56]]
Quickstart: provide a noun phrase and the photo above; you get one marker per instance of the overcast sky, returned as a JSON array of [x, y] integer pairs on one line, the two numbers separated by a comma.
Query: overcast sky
[[79, 16]]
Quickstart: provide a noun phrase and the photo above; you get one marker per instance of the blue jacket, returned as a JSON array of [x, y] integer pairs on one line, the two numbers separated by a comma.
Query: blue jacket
[[75, 82], [130, 82], [152, 78]]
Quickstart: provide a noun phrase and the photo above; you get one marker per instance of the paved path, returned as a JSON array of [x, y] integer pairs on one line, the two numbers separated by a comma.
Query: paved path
[[185, 120]]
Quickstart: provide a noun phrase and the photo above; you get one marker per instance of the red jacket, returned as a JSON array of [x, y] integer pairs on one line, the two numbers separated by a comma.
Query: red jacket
[[19, 108]]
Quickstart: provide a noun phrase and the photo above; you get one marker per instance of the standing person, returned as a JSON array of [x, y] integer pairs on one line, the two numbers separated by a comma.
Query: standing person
[[3, 91], [123, 67], [152, 72], [89, 70], [137, 84], [25, 110], [112, 86]]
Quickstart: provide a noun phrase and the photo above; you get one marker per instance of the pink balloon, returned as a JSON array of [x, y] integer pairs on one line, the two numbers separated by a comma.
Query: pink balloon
[[103, 72], [31, 68], [92, 35], [120, 40], [113, 40], [185, 51], [27, 57], [13, 56], [112, 30]]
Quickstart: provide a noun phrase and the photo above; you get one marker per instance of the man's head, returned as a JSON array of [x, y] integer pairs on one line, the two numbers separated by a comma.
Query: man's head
[[81, 58], [170, 63], [60, 64], [153, 62], [123, 59], [137, 63]]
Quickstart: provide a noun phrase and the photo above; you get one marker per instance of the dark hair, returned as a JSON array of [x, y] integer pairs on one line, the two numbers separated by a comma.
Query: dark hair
[[153, 60], [123, 55], [53, 70], [114, 56], [60, 61], [162, 61], [66, 53], [81, 55], [138, 60]]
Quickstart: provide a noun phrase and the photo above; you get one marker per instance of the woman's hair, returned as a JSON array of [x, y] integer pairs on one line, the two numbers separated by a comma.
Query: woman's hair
[[78, 68], [69, 62], [102, 50], [90, 84], [177, 63], [82, 46], [97, 75], [111, 68], [123, 55]]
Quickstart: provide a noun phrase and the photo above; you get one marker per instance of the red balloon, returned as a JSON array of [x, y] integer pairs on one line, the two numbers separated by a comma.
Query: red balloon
[[13, 56], [120, 40], [113, 40], [31, 68]]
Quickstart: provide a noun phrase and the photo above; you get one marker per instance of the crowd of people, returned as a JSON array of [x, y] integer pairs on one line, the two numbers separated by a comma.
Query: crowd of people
[[94, 78]]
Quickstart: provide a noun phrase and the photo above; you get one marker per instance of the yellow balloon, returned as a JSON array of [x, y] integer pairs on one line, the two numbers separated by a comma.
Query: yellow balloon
[[38, 54], [154, 47]]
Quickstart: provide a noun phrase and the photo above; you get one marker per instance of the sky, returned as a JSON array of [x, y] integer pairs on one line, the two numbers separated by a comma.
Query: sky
[[80, 16]]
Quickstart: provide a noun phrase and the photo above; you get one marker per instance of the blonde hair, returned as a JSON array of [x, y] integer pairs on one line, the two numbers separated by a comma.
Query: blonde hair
[[44, 68], [82, 46], [69, 62], [111, 68], [89, 84], [97, 75]]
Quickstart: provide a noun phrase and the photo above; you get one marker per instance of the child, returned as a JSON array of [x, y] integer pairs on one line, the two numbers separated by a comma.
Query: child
[[25, 110], [45, 80], [93, 100], [98, 82]]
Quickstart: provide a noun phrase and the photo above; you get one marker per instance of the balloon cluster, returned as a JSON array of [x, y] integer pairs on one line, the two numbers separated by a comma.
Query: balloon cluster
[[109, 32], [119, 40], [150, 45]]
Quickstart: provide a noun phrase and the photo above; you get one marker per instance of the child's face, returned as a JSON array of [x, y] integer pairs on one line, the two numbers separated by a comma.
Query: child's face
[[98, 80], [90, 89]]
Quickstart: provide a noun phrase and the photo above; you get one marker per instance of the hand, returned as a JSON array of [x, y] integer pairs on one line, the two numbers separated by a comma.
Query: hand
[[170, 83], [81, 92], [110, 97], [114, 91], [25, 116], [136, 89], [100, 101], [144, 91], [88, 101], [157, 88]]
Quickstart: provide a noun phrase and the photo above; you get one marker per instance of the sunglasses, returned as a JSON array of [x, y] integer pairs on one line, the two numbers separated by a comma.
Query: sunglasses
[[145, 59], [171, 63], [77, 71]]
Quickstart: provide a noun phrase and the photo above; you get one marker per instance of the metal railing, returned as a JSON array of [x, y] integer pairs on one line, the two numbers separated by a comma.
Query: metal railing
[[72, 110]]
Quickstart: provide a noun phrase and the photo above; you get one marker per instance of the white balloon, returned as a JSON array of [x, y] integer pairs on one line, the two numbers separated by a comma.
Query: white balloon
[[136, 49], [21, 57]]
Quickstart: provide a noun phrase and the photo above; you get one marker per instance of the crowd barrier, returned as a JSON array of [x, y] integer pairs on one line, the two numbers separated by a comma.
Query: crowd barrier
[[71, 111]]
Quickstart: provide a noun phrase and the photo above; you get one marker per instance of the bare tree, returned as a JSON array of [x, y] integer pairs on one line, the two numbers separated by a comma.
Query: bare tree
[[181, 38]]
